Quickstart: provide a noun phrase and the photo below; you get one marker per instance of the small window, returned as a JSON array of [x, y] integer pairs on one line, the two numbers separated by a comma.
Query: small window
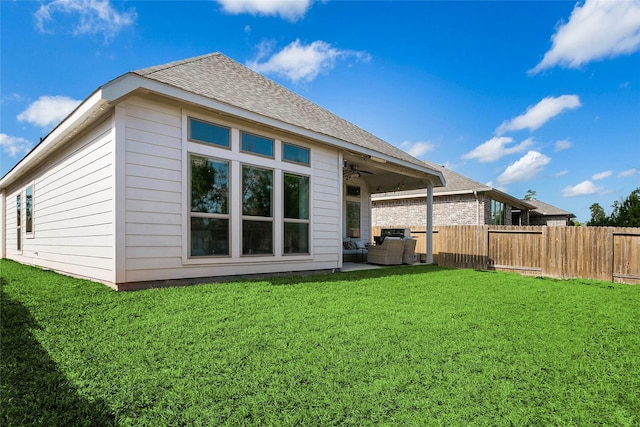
[[497, 213], [353, 219], [257, 144], [295, 154], [353, 191], [19, 222], [209, 133], [28, 224]]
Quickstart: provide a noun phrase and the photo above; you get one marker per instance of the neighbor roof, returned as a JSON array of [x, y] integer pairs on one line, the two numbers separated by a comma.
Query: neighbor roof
[[218, 77], [549, 210]]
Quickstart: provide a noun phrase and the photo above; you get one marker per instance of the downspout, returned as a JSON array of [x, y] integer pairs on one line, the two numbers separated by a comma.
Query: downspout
[[475, 194], [429, 222]]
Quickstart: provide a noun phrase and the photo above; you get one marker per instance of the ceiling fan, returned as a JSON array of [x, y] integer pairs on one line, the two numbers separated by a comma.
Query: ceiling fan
[[353, 172]]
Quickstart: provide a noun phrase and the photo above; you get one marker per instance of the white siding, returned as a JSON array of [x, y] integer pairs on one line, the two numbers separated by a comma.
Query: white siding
[[326, 203], [72, 209], [153, 186]]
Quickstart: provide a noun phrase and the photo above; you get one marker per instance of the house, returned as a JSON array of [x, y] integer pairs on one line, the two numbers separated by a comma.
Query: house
[[193, 169], [546, 214], [462, 201]]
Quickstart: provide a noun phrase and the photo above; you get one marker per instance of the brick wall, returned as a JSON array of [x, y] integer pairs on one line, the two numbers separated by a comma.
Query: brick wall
[[463, 209]]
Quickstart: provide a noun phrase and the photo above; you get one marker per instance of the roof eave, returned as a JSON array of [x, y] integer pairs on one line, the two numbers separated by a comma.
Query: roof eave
[[91, 107]]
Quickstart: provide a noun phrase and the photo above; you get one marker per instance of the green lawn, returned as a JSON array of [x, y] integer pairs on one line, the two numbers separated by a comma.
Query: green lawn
[[398, 346]]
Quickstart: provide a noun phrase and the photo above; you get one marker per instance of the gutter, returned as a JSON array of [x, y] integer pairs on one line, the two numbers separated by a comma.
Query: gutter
[[89, 109]]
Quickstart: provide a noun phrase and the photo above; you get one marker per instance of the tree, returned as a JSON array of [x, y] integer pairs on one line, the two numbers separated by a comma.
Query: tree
[[627, 212], [598, 216], [531, 195]]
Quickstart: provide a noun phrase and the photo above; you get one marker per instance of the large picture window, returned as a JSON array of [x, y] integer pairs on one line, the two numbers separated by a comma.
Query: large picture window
[[296, 214], [209, 212], [257, 211]]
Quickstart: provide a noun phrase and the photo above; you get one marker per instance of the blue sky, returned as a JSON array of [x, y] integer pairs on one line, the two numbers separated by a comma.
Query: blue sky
[[518, 95]]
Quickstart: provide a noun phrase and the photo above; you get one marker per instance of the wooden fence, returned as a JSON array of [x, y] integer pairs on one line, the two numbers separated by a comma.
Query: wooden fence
[[603, 253]]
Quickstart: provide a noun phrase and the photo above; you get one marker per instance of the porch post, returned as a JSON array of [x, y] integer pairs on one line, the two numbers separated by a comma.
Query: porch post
[[429, 222]]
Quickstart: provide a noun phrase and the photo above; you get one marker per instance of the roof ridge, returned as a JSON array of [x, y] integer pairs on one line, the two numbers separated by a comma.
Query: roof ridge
[[155, 68]]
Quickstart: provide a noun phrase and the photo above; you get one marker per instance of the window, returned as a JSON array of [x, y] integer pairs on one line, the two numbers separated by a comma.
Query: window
[[19, 222], [28, 223], [296, 214], [257, 144], [353, 191], [257, 211], [209, 133], [209, 213], [497, 213], [295, 154], [353, 219]]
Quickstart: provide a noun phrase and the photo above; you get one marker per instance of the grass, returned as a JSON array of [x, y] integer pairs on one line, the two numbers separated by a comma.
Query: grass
[[399, 346]]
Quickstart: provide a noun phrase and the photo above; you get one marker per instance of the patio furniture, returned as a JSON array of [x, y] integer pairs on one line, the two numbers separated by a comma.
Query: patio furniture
[[353, 250], [409, 251], [388, 253]]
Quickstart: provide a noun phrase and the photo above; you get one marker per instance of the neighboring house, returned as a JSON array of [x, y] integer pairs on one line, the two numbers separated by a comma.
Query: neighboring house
[[462, 201], [546, 214], [192, 169]]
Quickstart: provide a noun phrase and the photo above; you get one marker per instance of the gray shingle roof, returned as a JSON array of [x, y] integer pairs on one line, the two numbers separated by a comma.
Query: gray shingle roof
[[222, 79], [547, 209]]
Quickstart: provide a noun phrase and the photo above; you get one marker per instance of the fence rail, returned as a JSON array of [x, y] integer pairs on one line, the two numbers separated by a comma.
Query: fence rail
[[603, 253]]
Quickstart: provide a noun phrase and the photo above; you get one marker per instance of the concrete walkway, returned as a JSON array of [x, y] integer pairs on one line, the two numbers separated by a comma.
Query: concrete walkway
[[356, 266]]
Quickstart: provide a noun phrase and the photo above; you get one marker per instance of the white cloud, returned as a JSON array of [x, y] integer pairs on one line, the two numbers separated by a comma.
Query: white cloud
[[585, 188], [48, 111], [562, 172], [537, 115], [291, 10], [495, 148], [601, 175], [524, 169], [299, 62], [629, 172], [93, 17], [596, 30], [563, 144], [417, 149], [14, 145]]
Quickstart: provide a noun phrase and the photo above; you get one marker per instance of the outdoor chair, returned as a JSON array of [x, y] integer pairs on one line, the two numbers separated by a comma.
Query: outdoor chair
[[387, 253], [409, 251]]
